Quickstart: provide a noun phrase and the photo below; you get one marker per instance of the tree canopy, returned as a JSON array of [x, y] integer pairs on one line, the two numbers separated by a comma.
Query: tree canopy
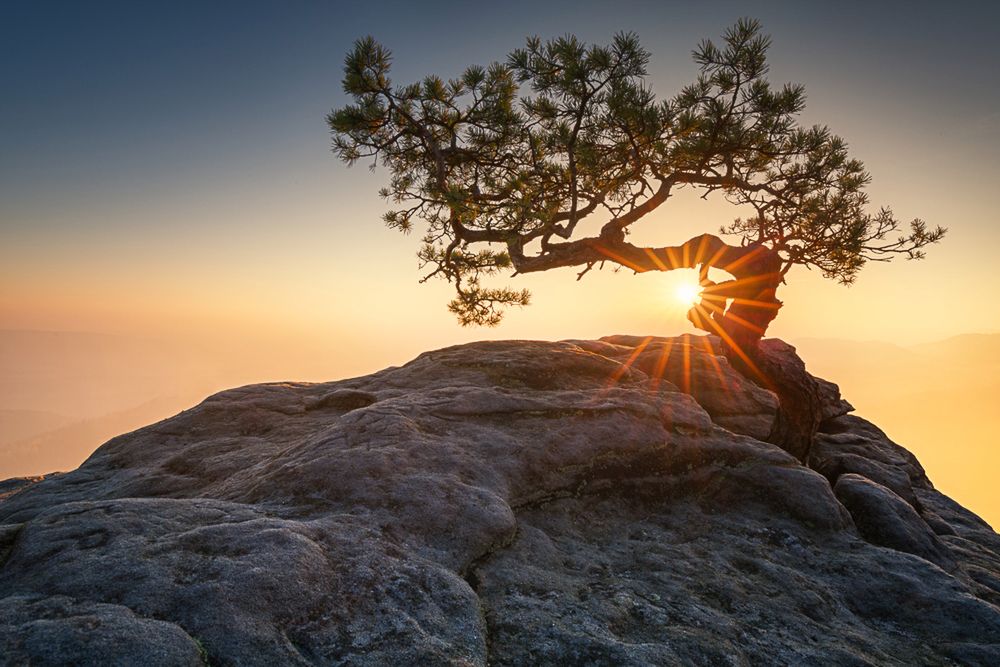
[[507, 164]]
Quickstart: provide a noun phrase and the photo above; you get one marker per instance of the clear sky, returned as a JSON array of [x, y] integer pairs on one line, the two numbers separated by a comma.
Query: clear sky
[[165, 167]]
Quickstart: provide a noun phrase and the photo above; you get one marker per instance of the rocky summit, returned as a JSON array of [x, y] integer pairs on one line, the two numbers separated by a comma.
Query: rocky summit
[[626, 501]]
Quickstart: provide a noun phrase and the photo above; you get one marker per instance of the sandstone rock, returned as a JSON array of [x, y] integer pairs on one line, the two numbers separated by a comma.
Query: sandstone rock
[[885, 519], [9, 487], [694, 365], [832, 405], [510, 502], [849, 444], [57, 630], [778, 367], [970, 540]]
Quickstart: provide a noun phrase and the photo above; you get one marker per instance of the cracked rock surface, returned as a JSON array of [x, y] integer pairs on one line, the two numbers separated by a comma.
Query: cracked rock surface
[[609, 502]]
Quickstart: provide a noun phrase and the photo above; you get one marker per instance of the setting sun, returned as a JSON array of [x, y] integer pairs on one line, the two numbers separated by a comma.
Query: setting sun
[[688, 293], [341, 333]]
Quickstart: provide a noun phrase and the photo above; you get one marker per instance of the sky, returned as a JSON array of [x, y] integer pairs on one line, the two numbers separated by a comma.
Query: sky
[[165, 169], [167, 188]]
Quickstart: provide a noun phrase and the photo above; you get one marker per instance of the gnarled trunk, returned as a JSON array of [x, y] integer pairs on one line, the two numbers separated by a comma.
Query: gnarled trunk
[[738, 311], [750, 295]]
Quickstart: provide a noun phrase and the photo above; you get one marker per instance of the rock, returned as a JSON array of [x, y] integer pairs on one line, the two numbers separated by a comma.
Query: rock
[[342, 399], [832, 405], [694, 365], [777, 367], [9, 487], [849, 444], [57, 630], [885, 519], [766, 394], [969, 539], [8, 534], [503, 503]]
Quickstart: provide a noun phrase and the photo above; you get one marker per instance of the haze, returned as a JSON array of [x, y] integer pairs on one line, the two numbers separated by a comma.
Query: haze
[[173, 223]]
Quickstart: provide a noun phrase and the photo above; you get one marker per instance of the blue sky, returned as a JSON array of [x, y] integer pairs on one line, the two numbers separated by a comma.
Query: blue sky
[[106, 95], [158, 142]]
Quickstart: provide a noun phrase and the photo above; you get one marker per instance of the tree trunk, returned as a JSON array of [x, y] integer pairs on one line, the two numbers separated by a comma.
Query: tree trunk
[[738, 311], [750, 296]]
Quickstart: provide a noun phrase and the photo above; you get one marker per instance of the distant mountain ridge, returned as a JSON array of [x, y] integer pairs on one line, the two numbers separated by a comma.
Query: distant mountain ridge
[[937, 397], [66, 447], [89, 375], [21, 424], [976, 349]]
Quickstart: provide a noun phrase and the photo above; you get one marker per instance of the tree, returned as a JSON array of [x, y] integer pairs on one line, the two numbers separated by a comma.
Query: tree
[[508, 164]]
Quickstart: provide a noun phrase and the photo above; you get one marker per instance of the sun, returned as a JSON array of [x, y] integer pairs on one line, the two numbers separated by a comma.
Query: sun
[[688, 293]]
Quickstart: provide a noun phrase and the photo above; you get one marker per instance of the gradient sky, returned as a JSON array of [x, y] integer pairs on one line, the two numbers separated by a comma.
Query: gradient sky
[[165, 167]]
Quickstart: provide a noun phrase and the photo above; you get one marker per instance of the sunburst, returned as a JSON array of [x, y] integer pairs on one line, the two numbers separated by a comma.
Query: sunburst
[[688, 293]]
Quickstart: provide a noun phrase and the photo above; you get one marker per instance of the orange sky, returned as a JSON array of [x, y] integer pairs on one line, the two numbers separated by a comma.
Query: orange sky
[[171, 177], [343, 282], [159, 181]]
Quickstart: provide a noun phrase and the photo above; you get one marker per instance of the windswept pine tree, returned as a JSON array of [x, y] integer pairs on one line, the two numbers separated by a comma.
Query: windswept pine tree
[[502, 165]]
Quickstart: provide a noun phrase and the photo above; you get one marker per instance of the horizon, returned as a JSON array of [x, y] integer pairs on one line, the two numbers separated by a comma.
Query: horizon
[[242, 418], [142, 381], [144, 198], [167, 177]]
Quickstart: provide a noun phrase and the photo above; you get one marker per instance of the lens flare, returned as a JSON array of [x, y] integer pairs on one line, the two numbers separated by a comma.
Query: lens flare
[[688, 294]]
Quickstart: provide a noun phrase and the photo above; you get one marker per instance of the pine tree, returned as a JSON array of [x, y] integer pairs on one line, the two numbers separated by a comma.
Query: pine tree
[[503, 163]]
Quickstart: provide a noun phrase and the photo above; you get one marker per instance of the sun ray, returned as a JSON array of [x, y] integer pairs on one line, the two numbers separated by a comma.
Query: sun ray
[[715, 364], [686, 372], [618, 258], [713, 303], [770, 305], [620, 371], [672, 257], [702, 248], [744, 357], [656, 260], [714, 259], [661, 363], [617, 375], [749, 257], [743, 283], [744, 323]]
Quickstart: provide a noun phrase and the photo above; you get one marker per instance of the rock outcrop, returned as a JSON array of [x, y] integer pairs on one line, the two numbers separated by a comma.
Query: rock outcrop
[[611, 502]]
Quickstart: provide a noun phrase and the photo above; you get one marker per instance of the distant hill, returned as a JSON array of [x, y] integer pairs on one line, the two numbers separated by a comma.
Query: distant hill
[[20, 424], [62, 394], [978, 350], [938, 399], [66, 447], [87, 375]]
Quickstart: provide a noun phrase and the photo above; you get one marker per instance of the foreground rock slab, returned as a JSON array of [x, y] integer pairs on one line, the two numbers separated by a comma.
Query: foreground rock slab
[[604, 502]]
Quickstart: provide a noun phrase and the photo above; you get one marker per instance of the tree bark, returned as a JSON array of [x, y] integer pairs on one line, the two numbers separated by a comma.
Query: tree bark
[[738, 311], [750, 296]]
